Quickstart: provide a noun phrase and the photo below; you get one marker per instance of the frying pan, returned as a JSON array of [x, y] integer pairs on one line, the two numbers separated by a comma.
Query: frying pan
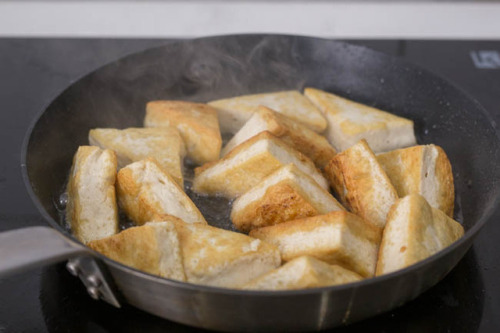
[[211, 68]]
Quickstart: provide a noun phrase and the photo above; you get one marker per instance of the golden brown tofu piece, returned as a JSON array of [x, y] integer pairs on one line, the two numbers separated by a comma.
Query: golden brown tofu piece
[[152, 248], [424, 170], [91, 210], [302, 273], [196, 122], [414, 231], [145, 190], [248, 164], [305, 140], [361, 183], [222, 258], [165, 145], [349, 122], [337, 238], [234, 112], [286, 194]]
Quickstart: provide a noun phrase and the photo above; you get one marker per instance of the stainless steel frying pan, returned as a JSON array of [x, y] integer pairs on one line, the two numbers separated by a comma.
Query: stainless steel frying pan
[[210, 68]]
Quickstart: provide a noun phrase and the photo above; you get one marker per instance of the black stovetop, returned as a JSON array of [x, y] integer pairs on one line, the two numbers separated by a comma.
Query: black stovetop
[[34, 71]]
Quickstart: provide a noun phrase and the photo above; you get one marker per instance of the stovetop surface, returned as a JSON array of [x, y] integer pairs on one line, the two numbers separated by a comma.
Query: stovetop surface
[[35, 71]]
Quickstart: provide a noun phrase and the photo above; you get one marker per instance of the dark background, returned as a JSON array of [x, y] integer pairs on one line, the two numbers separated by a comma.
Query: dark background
[[35, 71]]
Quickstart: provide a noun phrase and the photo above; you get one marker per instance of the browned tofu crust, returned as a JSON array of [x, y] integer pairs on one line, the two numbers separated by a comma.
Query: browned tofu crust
[[301, 273], [306, 237], [197, 123], [406, 170], [135, 247], [298, 136], [414, 231], [282, 202], [247, 172], [141, 189], [308, 142], [361, 183]]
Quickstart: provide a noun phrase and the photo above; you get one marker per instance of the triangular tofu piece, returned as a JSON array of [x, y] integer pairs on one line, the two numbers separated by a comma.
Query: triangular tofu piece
[[145, 190], [286, 194], [361, 183], [152, 248], [222, 258], [337, 238], [196, 122], [234, 112], [135, 144], [91, 210], [414, 231], [302, 273], [248, 164], [424, 170], [349, 122], [305, 140]]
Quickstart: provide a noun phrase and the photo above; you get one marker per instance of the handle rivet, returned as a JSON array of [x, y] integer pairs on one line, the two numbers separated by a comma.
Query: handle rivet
[[73, 268], [93, 292], [94, 281]]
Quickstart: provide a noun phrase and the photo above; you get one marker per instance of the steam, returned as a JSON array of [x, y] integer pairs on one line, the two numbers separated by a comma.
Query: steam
[[198, 70], [220, 68]]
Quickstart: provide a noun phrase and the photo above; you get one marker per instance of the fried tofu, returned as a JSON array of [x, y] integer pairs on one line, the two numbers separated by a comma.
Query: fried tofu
[[222, 258], [91, 210], [153, 248], [191, 252], [286, 194], [361, 183], [145, 190], [425, 170], [196, 122], [298, 136], [135, 144], [303, 273], [248, 164], [349, 122], [234, 112], [336, 238], [414, 231]]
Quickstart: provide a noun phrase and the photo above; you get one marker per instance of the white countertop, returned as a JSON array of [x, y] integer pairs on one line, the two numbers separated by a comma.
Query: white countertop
[[365, 19]]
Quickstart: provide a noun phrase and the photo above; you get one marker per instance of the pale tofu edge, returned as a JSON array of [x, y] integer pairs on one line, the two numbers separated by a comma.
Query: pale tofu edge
[[252, 127], [93, 180], [158, 188], [170, 265], [316, 195], [380, 200], [260, 147]]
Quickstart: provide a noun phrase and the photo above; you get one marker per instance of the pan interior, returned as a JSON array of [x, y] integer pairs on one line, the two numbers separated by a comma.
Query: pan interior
[[206, 69]]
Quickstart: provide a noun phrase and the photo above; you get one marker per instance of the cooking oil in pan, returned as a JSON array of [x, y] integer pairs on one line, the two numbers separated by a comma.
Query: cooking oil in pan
[[216, 210]]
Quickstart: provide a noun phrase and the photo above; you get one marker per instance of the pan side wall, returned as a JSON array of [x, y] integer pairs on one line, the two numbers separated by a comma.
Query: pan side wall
[[232, 311]]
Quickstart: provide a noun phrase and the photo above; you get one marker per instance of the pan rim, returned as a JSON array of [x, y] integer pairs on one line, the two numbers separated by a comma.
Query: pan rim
[[469, 234]]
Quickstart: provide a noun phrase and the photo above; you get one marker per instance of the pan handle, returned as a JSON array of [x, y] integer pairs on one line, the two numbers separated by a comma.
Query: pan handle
[[26, 248]]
